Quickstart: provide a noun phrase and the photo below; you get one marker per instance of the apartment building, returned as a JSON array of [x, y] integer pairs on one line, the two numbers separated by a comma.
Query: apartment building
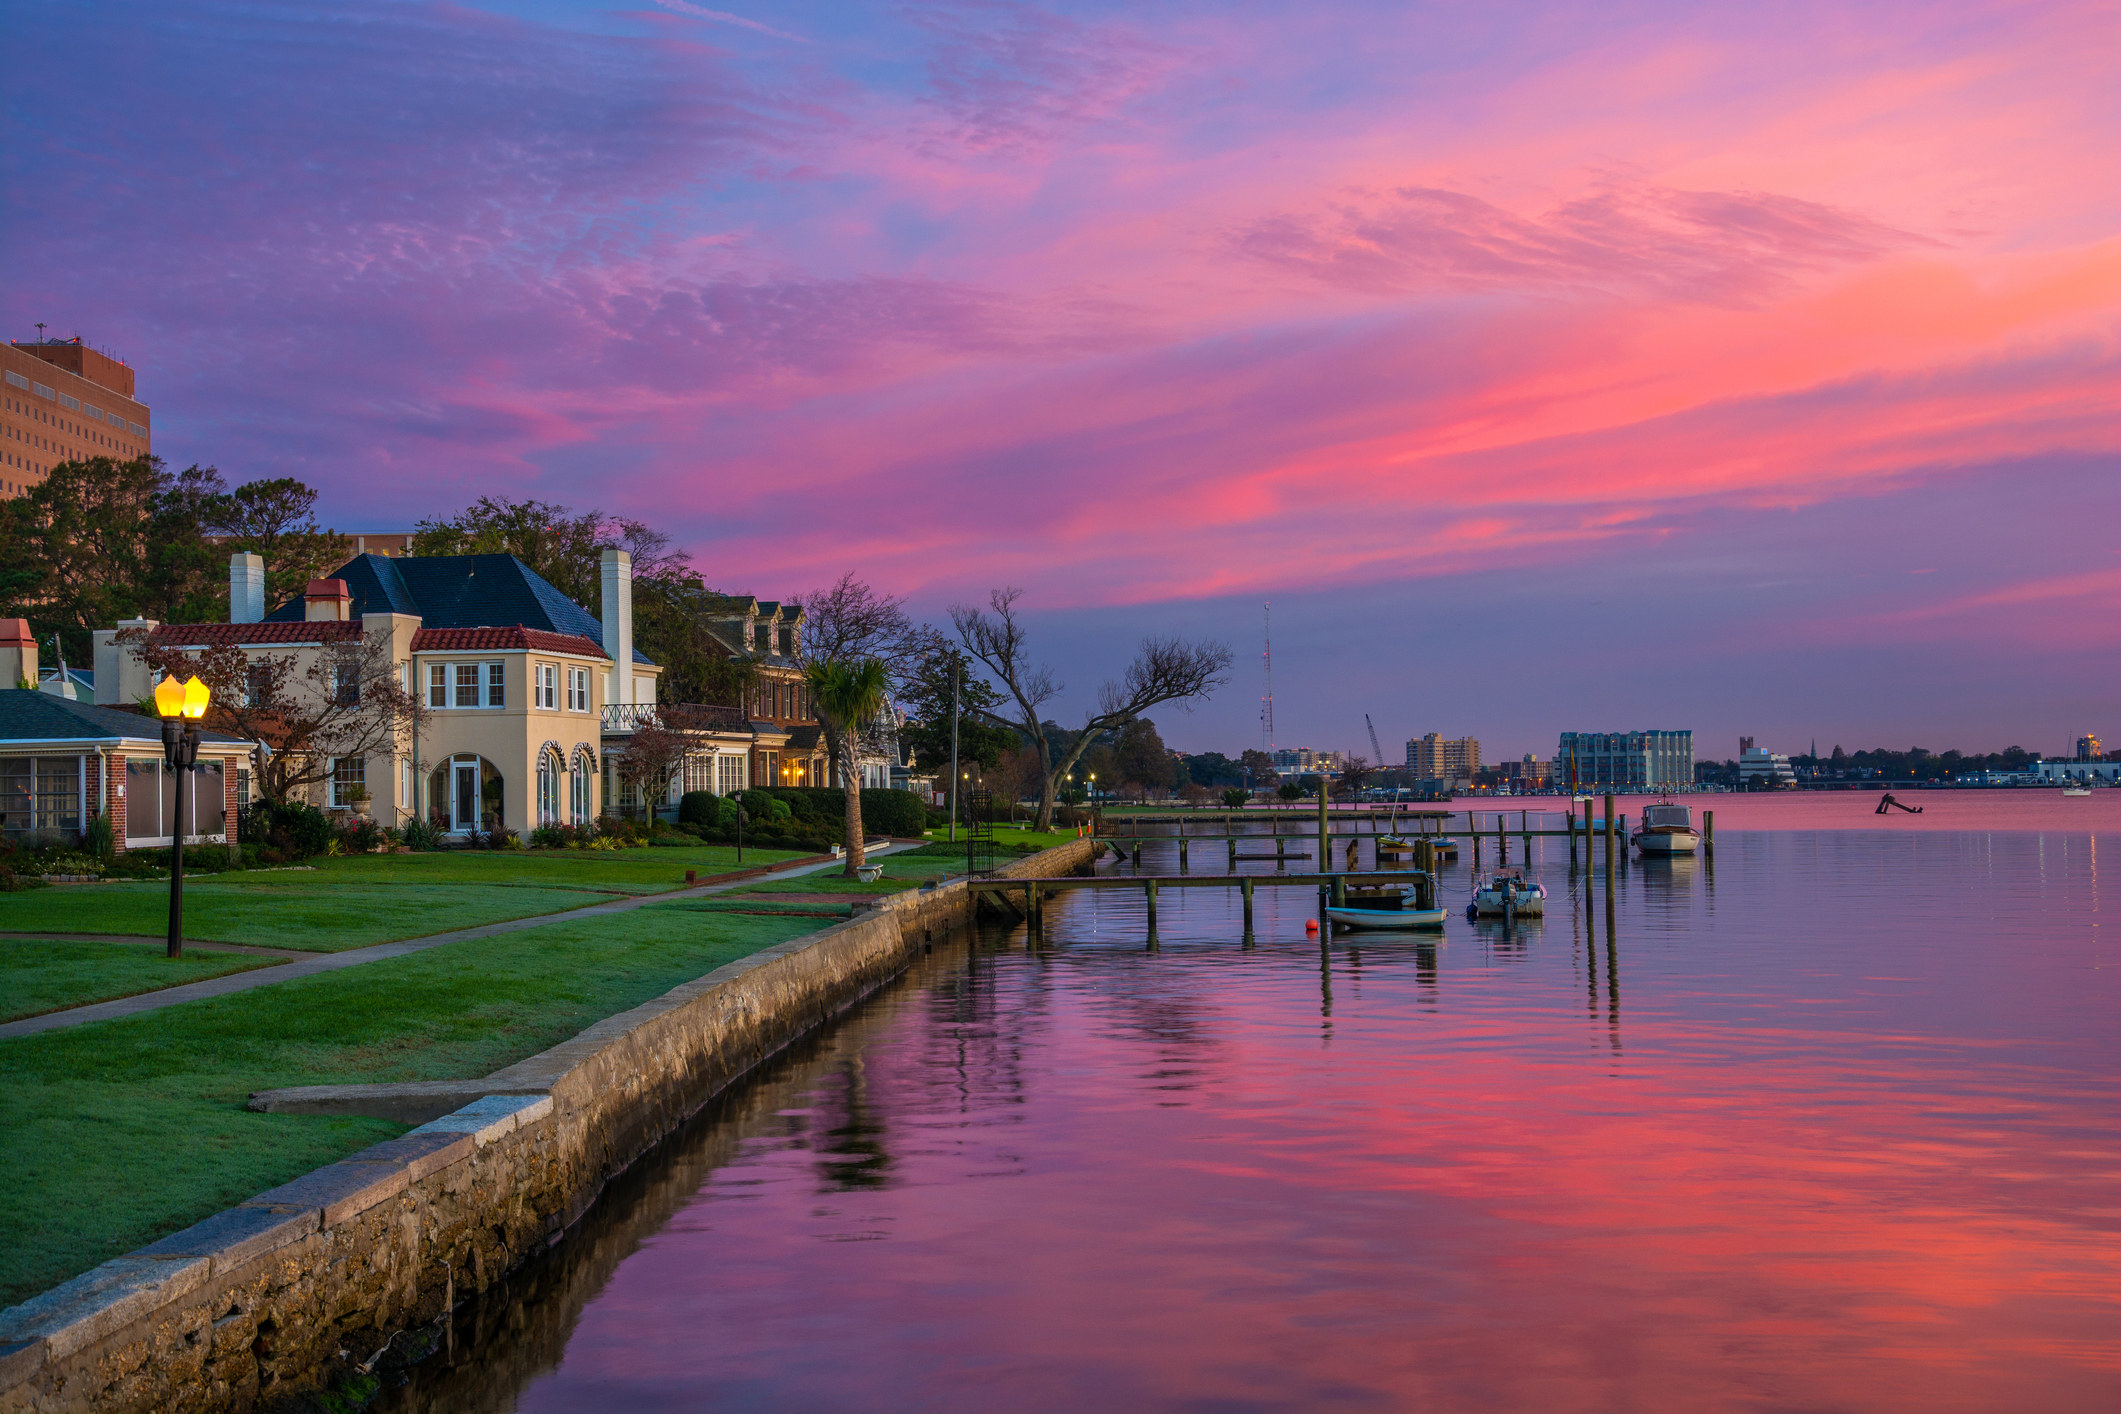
[[63, 401], [1433, 758], [1646, 760]]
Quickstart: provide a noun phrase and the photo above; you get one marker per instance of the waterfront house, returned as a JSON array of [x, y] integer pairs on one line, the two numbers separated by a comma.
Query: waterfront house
[[515, 678]]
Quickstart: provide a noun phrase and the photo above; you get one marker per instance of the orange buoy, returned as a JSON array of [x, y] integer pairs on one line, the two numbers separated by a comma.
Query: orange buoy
[[1310, 925]]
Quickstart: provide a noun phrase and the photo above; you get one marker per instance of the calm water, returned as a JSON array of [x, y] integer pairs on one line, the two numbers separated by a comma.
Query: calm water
[[1830, 1126]]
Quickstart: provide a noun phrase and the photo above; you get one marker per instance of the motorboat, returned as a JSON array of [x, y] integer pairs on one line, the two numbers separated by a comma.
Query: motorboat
[[1667, 828], [2076, 790], [1392, 907], [1508, 891]]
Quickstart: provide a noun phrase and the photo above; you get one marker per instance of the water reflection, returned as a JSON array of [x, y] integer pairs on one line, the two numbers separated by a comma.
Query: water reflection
[[1856, 1153]]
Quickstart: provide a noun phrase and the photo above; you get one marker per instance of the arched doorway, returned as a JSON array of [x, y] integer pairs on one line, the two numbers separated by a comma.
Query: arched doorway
[[464, 794], [552, 786]]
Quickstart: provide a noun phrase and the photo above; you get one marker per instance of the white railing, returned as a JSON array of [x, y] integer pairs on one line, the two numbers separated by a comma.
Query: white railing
[[626, 716]]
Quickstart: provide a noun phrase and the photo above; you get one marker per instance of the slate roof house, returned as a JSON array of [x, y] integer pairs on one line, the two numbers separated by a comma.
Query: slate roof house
[[62, 763], [517, 679]]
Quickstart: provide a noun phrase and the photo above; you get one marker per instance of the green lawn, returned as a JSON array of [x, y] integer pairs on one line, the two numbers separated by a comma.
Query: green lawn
[[38, 976], [1024, 839], [901, 871], [354, 901], [119, 1132]]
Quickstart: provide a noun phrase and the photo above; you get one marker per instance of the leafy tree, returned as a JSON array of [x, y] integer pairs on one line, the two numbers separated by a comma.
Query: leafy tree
[[1212, 768], [926, 697], [1141, 758], [849, 696], [1258, 767], [276, 521], [1290, 791], [1236, 799]]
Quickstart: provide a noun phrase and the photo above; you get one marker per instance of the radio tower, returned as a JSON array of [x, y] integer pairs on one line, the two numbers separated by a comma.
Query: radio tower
[[1266, 704]]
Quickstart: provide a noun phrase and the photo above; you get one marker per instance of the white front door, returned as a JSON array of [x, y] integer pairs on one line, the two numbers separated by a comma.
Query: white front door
[[464, 796]]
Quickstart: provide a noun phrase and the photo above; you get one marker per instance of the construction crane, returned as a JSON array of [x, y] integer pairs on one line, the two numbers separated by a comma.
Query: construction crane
[[1380, 751]]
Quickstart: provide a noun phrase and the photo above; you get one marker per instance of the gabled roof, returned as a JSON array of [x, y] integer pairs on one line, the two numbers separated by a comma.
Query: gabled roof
[[460, 591], [44, 716], [481, 640]]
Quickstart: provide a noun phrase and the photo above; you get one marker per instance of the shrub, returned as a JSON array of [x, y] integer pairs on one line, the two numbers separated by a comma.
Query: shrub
[[296, 829], [764, 810], [1236, 799], [361, 835], [699, 807], [98, 838], [419, 834], [13, 883]]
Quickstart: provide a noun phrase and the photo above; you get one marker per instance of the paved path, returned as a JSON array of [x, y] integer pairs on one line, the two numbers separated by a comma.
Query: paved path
[[310, 964]]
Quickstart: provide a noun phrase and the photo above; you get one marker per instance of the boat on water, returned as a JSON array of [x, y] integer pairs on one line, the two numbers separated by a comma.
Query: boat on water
[[2076, 790], [1394, 908], [1667, 828], [1508, 891]]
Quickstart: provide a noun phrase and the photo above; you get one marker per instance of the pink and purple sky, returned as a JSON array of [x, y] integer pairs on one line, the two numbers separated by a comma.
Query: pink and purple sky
[[1551, 367]]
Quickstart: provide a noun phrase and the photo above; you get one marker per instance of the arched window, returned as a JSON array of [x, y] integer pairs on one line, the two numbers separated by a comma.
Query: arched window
[[552, 791], [582, 792]]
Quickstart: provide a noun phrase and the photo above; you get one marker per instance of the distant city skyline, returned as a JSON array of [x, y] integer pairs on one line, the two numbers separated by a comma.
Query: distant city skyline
[[1750, 372]]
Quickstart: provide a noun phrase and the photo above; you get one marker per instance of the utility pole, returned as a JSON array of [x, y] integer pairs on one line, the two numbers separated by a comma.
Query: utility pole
[[957, 678]]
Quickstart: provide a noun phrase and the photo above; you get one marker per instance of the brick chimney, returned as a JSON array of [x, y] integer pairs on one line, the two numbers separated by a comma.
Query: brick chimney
[[326, 599], [18, 653], [246, 588]]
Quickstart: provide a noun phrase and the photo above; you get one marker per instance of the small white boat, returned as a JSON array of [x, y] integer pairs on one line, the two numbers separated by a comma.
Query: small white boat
[[2076, 790], [1667, 829], [1508, 891], [1387, 908]]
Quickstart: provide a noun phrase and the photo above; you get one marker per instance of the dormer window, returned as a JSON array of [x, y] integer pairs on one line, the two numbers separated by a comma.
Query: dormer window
[[761, 637]]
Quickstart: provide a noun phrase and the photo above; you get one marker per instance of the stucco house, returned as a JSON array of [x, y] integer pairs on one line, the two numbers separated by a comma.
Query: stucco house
[[517, 680]]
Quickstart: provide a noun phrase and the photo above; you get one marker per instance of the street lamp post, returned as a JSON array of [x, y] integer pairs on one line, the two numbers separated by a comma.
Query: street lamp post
[[180, 705]]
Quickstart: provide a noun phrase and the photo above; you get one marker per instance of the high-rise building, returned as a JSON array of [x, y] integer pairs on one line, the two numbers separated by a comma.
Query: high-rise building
[[2088, 748], [1431, 757], [1655, 760], [63, 401]]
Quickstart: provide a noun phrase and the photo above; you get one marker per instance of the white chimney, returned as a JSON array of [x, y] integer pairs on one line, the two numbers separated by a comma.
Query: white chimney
[[618, 624], [246, 588]]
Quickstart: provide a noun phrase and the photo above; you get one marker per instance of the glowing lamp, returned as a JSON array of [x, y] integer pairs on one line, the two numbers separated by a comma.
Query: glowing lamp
[[181, 699]]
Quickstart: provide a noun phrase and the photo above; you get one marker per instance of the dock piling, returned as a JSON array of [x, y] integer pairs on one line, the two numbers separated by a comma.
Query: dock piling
[[1708, 832], [1247, 887], [1149, 895], [1181, 854]]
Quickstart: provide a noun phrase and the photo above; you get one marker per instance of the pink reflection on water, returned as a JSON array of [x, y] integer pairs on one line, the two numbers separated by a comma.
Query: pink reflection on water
[[1840, 1135]]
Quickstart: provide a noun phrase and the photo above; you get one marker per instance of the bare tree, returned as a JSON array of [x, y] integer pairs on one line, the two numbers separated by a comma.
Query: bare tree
[[1163, 670], [654, 756], [851, 623], [346, 703]]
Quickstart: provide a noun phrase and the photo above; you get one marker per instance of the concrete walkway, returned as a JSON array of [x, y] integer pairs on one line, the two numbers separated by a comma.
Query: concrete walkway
[[310, 964]]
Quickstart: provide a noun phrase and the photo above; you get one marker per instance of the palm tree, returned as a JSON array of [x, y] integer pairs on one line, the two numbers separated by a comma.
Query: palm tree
[[848, 697]]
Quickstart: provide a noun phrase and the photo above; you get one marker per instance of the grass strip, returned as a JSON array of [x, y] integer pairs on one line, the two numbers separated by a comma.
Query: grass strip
[[41, 975], [321, 913], [119, 1132]]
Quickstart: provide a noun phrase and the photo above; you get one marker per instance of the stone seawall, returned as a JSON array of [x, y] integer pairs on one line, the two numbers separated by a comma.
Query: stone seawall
[[305, 1284]]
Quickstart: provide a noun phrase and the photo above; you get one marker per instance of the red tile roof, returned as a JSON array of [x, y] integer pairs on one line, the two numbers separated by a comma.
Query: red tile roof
[[483, 640], [214, 635]]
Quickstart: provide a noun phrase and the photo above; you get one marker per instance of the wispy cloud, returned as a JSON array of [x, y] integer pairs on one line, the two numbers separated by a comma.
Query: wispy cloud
[[723, 17]]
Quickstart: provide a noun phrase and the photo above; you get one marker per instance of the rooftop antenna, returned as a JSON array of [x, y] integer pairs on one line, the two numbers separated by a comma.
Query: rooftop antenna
[[1266, 703], [40, 331]]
